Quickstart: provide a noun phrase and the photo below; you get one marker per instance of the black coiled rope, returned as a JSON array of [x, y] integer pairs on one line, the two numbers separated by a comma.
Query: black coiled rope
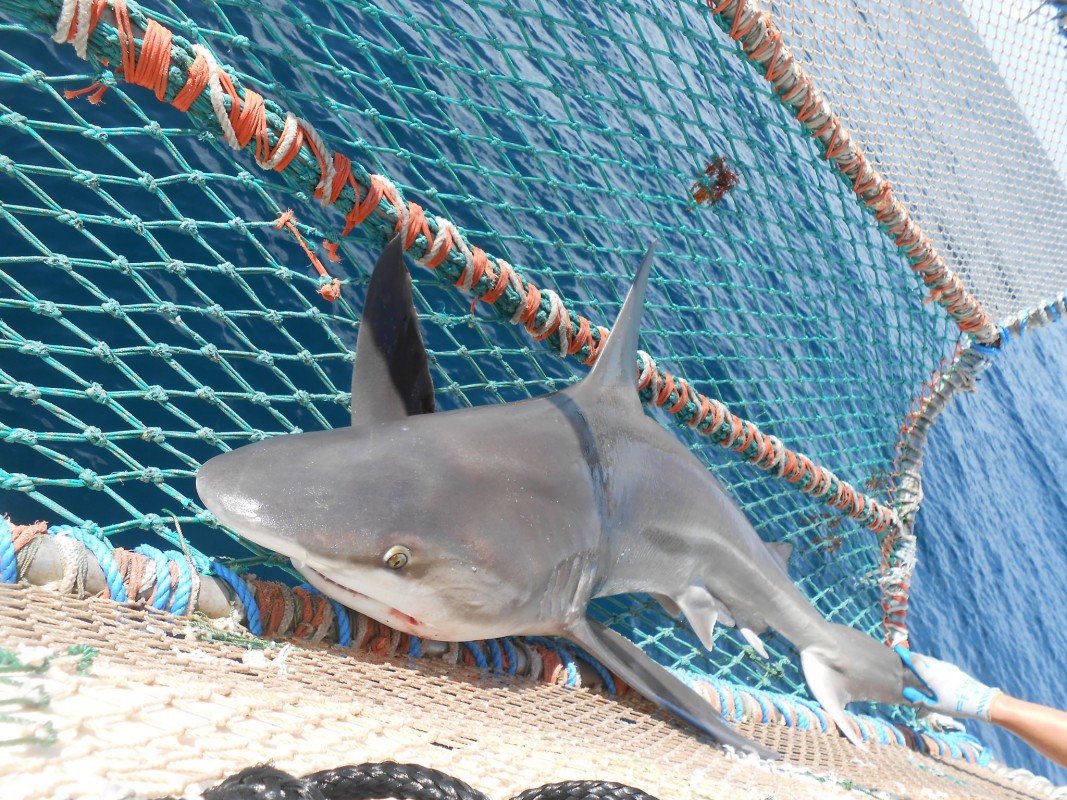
[[387, 779]]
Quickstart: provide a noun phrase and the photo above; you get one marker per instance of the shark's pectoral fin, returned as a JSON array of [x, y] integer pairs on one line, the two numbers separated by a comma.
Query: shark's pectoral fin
[[657, 684], [391, 378]]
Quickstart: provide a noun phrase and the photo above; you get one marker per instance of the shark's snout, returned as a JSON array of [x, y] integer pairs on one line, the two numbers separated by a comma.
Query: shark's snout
[[241, 500], [218, 484]]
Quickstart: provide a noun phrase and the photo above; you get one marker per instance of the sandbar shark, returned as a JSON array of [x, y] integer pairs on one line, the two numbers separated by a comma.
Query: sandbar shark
[[508, 519]]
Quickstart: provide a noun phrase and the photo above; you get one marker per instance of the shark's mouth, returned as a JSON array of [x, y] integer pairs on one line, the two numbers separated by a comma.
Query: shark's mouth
[[364, 604]]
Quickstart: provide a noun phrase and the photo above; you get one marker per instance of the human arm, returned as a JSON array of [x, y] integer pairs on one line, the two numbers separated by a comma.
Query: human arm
[[947, 689], [1041, 727]]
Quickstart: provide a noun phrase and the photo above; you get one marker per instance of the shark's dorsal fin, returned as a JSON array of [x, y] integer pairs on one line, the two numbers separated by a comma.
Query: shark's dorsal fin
[[614, 366], [391, 378]]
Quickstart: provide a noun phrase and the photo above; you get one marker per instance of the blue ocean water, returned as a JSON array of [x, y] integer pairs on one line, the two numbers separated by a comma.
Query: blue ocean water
[[990, 593]]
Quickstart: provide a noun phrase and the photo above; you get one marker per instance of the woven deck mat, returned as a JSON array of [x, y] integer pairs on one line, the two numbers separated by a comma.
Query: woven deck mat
[[161, 710]]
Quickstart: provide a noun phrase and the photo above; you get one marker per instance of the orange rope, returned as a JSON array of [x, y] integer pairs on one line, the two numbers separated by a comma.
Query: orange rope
[[330, 291], [195, 83]]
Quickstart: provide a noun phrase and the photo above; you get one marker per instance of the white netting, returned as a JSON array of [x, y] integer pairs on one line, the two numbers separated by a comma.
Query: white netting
[[977, 154]]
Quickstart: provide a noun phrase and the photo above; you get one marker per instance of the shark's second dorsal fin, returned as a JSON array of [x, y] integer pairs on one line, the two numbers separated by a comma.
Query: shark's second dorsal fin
[[615, 366], [391, 378]]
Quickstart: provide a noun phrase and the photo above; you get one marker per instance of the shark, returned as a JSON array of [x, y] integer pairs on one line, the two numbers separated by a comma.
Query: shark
[[509, 519]]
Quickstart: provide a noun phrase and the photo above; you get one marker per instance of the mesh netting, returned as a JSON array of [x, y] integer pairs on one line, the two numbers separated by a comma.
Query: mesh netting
[[153, 315], [100, 676], [977, 85]]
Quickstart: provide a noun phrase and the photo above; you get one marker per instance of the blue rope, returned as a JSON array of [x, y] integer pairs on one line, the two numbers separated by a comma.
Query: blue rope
[[104, 553], [496, 655], [600, 669], [565, 657], [509, 652], [765, 707], [824, 723], [162, 593], [9, 567], [880, 729], [803, 720], [953, 748], [479, 656], [721, 692], [240, 588], [184, 590], [344, 623], [897, 735], [779, 702], [414, 646]]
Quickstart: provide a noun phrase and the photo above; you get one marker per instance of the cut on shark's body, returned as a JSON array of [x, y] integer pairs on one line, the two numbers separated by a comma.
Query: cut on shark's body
[[507, 520]]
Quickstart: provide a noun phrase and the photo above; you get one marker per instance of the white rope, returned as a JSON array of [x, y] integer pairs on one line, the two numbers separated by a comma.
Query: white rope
[[329, 174], [216, 96], [290, 609], [73, 554], [564, 330], [361, 630], [556, 310], [649, 374], [403, 213], [446, 232], [66, 18], [82, 9], [285, 142], [466, 278]]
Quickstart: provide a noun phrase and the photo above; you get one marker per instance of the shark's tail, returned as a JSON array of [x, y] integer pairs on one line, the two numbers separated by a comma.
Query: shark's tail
[[846, 665]]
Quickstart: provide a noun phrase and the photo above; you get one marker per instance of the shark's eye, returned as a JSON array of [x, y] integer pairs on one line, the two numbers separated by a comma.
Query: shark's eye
[[397, 557]]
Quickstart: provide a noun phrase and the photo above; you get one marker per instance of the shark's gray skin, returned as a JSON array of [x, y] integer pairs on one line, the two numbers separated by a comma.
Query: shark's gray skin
[[507, 520]]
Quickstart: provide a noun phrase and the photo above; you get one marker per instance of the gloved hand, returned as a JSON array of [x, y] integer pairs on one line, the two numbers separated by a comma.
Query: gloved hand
[[949, 690]]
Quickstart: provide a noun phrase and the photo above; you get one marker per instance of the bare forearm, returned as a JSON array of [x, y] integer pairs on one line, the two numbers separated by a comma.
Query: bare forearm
[[1041, 727]]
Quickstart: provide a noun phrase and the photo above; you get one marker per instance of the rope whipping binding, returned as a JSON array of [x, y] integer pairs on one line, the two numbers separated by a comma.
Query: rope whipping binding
[[982, 165], [72, 561], [743, 435]]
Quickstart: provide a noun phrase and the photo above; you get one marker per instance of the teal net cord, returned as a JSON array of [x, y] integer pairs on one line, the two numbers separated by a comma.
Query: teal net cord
[[153, 316]]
